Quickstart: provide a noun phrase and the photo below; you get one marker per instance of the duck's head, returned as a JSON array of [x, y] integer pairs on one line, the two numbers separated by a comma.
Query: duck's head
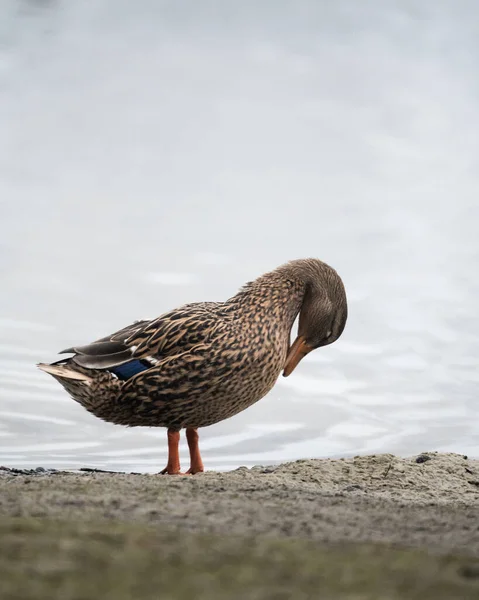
[[324, 311]]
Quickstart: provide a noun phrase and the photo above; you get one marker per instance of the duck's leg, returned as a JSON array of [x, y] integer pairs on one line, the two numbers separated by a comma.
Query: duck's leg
[[196, 464], [173, 465]]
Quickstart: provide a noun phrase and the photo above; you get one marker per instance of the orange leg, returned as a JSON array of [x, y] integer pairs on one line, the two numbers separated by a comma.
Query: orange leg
[[196, 464], [173, 466]]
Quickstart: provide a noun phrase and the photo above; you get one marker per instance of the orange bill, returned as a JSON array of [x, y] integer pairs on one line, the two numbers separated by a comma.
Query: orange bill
[[298, 350]]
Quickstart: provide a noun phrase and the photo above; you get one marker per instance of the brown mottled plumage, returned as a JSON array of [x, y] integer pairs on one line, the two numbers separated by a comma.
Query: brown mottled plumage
[[208, 361]]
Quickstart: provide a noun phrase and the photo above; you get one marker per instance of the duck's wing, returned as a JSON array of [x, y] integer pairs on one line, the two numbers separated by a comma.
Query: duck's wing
[[172, 333]]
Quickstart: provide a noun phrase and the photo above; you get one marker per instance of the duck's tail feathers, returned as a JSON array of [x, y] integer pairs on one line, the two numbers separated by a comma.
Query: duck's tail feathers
[[64, 372], [95, 390]]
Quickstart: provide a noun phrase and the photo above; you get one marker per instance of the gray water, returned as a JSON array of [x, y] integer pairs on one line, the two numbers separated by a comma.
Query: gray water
[[154, 153]]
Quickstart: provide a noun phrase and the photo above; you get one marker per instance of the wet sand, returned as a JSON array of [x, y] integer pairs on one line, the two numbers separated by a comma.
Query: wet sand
[[425, 508]]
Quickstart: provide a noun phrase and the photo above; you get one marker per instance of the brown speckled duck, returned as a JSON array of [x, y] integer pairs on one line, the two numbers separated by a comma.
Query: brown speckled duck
[[204, 362]]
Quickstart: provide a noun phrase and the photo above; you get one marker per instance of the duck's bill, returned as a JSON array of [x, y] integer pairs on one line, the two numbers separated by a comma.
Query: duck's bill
[[298, 351]]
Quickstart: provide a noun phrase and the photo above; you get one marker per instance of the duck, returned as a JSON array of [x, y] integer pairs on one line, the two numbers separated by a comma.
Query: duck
[[204, 362]]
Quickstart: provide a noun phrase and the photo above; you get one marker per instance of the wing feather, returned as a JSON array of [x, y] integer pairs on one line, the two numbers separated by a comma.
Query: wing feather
[[167, 335]]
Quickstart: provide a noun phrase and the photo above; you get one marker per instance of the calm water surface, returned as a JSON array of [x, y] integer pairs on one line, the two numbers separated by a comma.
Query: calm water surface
[[156, 153]]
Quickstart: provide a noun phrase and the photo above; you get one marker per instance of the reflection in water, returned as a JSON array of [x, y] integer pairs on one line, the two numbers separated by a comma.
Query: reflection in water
[[154, 154]]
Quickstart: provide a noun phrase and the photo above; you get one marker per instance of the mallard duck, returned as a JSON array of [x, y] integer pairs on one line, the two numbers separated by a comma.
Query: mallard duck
[[204, 362]]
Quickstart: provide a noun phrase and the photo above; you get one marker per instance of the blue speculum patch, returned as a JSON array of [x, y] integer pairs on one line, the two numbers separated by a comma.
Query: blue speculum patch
[[129, 369]]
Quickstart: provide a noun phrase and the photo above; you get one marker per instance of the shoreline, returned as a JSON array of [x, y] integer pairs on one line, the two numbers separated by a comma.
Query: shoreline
[[373, 511], [366, 498]]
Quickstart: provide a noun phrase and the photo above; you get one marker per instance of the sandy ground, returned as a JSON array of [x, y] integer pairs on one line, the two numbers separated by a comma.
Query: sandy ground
[[434, 503], [428, 502]]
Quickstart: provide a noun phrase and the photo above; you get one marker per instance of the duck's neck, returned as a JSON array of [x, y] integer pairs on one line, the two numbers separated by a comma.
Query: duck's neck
[[276, 296]]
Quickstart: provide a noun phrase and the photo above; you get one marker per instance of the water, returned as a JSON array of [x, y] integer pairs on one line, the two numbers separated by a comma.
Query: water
[[156, 153]]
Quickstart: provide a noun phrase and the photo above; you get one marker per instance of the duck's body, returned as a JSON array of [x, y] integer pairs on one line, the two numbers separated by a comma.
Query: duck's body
[[204, 362]]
